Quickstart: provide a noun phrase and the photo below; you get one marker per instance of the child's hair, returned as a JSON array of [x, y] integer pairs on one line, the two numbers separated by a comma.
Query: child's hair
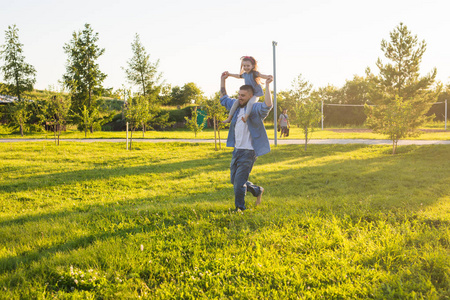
[[253, 61]]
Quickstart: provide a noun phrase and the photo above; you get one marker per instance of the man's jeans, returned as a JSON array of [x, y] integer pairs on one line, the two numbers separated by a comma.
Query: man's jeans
[[240, 168]]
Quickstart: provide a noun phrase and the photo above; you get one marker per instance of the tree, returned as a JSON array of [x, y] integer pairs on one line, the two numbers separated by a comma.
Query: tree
[[300, 91], [19, 114], [20, 75], [400, 87], [394, 121], [136, 113], [83, 77], [189, 93], [87, 118], [306, 107], [143, 73], [217, 113], [192, 123], [355, 91], [56, 111]]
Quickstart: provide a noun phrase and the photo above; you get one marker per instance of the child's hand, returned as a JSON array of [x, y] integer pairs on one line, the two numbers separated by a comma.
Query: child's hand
[[225, 75]]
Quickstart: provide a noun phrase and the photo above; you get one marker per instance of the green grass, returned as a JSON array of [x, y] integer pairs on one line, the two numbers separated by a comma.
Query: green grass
[[84, 221], [295, 133]]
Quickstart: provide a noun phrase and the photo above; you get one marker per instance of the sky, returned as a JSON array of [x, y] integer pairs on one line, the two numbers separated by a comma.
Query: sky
[[327, 42]]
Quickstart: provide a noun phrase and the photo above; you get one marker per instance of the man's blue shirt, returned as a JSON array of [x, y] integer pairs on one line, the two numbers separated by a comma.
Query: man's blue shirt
[[260, 140]]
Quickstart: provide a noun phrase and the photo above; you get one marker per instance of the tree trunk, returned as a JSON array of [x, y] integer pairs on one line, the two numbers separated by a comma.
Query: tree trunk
[[215, 134], [21, 129], [394, 146], [306, 137]]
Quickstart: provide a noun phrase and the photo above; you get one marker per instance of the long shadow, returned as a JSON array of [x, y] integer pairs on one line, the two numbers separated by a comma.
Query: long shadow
[[102, 171], [55, 179], [155, 217], [340, 175], [404, 174]]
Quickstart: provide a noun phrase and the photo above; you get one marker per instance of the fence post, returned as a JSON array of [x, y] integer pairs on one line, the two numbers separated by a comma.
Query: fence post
[[127, 135], [445, 114], [322, 114]]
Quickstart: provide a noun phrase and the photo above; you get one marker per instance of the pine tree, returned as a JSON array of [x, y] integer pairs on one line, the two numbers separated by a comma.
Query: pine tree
[[142, 73], [20, 75], [399, 87], [83, 76]]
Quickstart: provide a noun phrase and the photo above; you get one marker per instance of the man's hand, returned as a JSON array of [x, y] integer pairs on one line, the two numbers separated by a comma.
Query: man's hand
[[225, 75], [269, 80]]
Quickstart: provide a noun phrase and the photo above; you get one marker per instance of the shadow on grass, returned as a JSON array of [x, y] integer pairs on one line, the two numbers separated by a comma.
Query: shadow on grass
[[410, 172], [220, 161]]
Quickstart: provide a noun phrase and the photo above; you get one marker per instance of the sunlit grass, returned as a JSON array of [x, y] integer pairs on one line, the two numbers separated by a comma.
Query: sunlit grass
[[337, 222], [208, 133]]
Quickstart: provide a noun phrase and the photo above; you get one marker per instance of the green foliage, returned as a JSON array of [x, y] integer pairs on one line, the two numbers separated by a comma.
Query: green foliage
[[193, 124], [20, 75], [218, 114], [299, 92], [141, 72], [111, 105], [83, 77], [329, 225], [19, 113], [401, 80], [87, 119], [4, 89], [306, 107], [395, 119], [187, 94], [55, 112]]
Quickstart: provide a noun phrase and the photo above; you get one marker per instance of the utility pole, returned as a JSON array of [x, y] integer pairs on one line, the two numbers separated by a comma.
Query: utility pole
[[274, 44]]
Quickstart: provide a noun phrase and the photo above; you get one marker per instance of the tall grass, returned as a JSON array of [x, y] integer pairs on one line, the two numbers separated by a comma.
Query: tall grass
[[337, 222]]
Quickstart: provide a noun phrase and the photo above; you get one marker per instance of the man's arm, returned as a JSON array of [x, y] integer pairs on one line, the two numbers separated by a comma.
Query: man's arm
[[268, 95], [223, 90]]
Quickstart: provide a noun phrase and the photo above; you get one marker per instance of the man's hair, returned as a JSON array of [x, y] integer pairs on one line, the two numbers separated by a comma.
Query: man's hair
[[248, 88]]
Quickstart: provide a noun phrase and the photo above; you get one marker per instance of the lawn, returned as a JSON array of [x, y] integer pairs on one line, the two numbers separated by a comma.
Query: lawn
[[92, 220], [429, 133]]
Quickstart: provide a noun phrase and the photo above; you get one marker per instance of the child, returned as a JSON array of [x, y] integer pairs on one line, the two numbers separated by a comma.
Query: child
[[249, 71]]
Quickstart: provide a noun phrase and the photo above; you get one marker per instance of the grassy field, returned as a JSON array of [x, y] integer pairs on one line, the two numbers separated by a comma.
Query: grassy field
[[85, 221], [431, 133]]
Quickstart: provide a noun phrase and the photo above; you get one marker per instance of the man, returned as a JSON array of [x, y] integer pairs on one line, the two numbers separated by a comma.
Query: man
[[283, 120], [249, 139]]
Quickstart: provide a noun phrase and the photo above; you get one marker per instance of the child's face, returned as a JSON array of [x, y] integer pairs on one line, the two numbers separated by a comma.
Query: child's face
[[248, 66]]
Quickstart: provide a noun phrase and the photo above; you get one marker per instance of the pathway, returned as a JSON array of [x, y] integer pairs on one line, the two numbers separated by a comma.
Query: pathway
[[279, 141]]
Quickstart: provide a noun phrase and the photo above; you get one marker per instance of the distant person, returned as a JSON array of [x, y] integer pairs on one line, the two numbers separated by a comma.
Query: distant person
[[249, 139], [283, 120], [249, 71]]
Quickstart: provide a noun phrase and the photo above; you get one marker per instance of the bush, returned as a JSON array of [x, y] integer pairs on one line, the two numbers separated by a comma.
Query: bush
[[343, 115], [111, 104], [117, 124]]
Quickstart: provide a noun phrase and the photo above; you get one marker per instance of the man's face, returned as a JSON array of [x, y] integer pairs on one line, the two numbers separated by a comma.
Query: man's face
[[244, 97]]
